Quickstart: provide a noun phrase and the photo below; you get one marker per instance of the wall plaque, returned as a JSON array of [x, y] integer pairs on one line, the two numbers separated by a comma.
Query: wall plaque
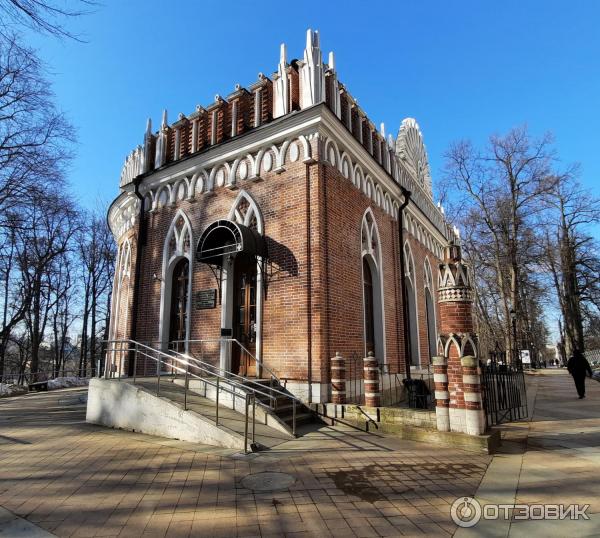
[[206, 299]]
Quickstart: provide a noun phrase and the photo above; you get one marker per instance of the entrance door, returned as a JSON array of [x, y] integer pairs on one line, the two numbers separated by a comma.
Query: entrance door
[[179, 302], [244, 317]]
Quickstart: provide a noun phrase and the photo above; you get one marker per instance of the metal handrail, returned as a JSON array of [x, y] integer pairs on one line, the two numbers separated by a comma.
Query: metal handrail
[[146, 351], [262, 365], [257, 388]]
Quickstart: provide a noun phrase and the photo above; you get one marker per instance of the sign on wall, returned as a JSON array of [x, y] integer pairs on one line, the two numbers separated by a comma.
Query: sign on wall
[[205, 299], [525, 356]]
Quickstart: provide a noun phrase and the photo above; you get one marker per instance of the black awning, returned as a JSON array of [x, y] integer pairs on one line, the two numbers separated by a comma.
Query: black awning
[[225, 237]]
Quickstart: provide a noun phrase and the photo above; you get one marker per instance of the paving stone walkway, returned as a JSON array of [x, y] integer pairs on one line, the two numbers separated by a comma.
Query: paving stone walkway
[[551, 459], [70, 478]]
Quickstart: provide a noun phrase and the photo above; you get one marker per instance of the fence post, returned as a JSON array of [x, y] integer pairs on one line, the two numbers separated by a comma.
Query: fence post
[[217, 401], [475, 419], [338, 379], [371, 376], [442, 396]]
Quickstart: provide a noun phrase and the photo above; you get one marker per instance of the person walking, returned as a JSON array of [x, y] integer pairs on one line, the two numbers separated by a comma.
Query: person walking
[[578, 366]]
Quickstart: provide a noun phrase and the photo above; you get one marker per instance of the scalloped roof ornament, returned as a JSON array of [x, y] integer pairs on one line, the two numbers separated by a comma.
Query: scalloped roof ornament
[[411, 150]]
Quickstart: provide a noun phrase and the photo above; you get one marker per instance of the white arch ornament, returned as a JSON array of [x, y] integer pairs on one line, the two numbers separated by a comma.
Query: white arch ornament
[[245, 211], [177, 246], [121, 278], [371, 251]]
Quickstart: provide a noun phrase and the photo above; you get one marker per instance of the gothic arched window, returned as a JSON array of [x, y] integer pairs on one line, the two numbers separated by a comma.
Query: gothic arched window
[[372, 287], [430, 309], [411, 300]]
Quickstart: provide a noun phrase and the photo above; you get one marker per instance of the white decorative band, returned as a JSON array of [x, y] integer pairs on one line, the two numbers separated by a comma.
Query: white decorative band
[[442, 395], [371, 368], [338, 392], [472, 397], [471, 379], [372, 394], [440, 378], [338, 380]]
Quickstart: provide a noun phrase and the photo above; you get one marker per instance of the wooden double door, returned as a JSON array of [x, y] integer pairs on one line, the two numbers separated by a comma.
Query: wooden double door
[[244, 317]]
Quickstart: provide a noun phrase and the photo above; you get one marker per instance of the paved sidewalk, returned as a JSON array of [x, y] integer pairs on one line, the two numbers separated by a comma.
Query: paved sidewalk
[[552, 459], [75, 479]]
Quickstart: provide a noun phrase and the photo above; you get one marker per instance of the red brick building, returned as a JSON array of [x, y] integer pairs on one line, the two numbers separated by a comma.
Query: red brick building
[[281, 217]]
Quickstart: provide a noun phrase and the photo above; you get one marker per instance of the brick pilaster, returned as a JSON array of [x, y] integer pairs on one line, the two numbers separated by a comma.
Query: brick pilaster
[[338, 379], [371, 378], [474, 417], [442, 396]]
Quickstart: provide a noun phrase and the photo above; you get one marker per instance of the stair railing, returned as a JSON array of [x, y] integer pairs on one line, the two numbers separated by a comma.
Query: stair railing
[[119, 353], [246, 383]]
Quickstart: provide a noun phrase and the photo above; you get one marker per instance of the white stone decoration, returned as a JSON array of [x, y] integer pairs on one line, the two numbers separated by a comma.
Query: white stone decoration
[[178, 245], [294, 152], [243, 170], [312, 73], [336, 102], [161, 143], [220, 177], [371, 253], [281, 101], [267, 162], [411, 151], [133, 167]]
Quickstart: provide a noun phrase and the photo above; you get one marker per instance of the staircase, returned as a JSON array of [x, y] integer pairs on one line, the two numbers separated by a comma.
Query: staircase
[[281, 406], [194, 400]]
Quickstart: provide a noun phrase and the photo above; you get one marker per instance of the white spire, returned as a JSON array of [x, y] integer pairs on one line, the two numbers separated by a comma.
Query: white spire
[[164, 123], [312, 74], [280, 87], [382, 129], [331, 61]]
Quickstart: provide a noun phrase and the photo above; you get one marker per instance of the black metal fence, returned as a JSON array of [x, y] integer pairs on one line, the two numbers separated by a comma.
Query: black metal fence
[[504, 392], [395, 388]]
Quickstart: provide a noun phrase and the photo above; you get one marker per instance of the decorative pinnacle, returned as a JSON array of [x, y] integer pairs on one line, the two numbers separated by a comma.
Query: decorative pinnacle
[[164, 123], [282, 54], [382, 129], [149, 126], [331, 61], [312, 39]]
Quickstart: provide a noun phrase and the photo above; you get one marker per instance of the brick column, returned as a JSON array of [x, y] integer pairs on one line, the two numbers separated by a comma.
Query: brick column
[[338, 379], [475, 419], [371, 378], [455, 305], [442, 396]]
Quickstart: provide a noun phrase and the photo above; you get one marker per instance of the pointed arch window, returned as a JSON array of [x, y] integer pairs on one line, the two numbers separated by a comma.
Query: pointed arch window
[[372, 280], [430, 310], [176, 283], [411, 300]]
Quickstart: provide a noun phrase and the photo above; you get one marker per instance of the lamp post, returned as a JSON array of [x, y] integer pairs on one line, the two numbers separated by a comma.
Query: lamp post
[[513, 318]]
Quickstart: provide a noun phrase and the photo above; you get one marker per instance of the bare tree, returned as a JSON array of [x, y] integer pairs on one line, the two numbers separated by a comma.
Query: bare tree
[[45, 16], [497, 192], [51, 229], [573, 257], [97, 257]]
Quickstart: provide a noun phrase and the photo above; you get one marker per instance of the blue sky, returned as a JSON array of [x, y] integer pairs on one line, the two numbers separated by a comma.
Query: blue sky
[[463, 69]]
